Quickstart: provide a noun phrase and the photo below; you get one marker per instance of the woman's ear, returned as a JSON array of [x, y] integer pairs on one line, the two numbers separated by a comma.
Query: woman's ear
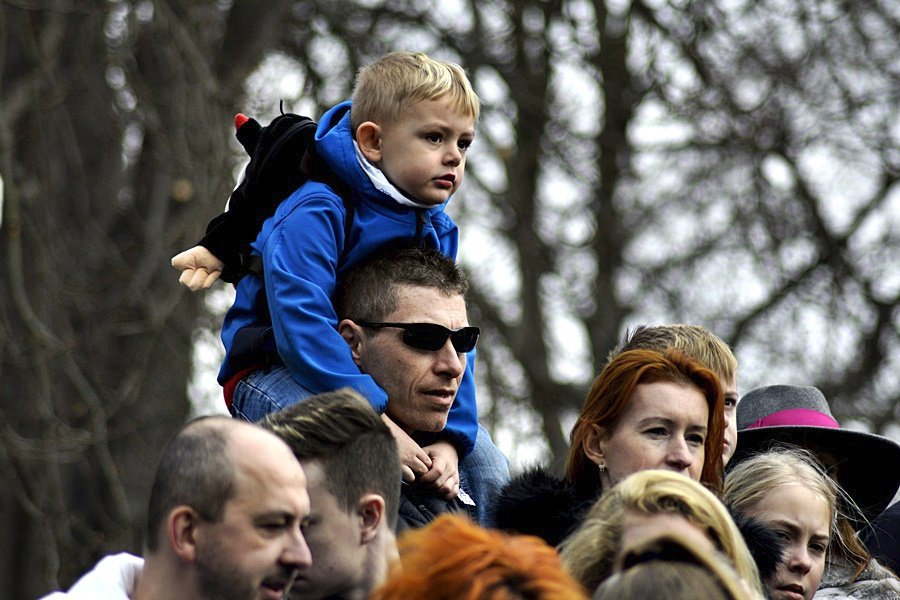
[[368, 138], [594, 444]]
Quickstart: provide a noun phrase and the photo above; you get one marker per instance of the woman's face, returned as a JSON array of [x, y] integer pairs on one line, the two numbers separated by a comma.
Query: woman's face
[[802, 518], [663, 427]]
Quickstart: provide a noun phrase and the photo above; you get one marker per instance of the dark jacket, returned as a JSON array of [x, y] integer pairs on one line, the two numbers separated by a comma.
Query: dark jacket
[[420, 507], [538, 503]]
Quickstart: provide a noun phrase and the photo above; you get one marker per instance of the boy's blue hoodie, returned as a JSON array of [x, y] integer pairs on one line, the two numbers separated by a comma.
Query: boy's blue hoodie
[[301, 244]]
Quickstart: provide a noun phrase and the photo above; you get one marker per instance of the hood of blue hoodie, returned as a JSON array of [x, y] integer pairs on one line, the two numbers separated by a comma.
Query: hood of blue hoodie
[[334, 143]]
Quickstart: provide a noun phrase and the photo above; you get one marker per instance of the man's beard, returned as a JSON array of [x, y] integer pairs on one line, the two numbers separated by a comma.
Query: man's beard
[[221, 579]]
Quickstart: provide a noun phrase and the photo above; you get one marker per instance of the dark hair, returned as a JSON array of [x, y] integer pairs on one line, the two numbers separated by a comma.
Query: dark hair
[[195, 470], [369, 291], [356, 449]]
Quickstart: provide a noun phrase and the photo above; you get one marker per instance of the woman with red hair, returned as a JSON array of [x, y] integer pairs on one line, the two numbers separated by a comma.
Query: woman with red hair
[[646, 410], [452, 559]]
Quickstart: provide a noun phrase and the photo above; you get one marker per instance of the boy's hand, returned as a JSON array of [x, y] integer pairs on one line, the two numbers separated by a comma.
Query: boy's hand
[[200, 268], [444, 472], [413, 459]]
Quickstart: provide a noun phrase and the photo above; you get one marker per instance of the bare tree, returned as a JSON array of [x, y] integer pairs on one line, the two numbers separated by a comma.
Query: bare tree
[[113, 151]]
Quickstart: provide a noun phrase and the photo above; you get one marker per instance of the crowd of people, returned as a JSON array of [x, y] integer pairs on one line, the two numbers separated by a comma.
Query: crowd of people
[[354, 466]]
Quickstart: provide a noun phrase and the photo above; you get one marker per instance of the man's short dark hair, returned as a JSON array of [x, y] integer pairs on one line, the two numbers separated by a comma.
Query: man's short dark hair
[[195, 470], [356, 449], [368, 292]]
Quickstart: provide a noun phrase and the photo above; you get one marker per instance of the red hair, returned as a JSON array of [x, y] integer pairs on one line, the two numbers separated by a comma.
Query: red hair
[[452, 559], [612, 392]]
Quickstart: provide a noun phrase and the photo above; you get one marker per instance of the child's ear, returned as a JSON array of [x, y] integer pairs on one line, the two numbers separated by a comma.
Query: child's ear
[[368, 137]]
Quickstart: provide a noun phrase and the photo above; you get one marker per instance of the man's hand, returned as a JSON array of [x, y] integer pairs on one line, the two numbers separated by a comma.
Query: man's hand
[[413, 459], [199, 268], [443, 475]]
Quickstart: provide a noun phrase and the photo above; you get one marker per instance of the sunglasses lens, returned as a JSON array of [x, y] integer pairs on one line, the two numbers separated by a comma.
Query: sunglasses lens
[[465, 339], [432, 337], [425, 336]]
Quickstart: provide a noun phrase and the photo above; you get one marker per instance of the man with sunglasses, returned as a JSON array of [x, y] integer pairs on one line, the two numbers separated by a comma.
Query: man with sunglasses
[[403, 316]]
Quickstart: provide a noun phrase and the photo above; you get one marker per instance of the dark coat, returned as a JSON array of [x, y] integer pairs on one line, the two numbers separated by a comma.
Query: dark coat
[[538, 503], [420, 507]]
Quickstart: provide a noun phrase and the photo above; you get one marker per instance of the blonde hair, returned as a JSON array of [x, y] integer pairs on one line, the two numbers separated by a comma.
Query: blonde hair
[[676, 564], [756, 477], [389, 85], [453, 559], [590, 552], [694, 340]]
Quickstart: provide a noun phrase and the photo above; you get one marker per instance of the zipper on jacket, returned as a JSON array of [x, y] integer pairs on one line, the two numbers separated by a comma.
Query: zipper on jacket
[[420, 227]]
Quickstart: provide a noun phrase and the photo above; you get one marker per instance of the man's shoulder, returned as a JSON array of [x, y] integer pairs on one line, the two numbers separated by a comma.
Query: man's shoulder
[[113, 578]]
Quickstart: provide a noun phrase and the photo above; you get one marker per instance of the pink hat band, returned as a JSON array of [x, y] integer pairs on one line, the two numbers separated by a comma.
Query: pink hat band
[[797, 417]]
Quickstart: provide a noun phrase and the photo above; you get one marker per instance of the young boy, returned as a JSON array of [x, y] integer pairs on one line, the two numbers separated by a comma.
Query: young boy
[[401, 150]]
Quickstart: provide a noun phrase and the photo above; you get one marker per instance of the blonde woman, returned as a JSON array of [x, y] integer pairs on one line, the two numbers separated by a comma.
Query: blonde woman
[[642, 505]]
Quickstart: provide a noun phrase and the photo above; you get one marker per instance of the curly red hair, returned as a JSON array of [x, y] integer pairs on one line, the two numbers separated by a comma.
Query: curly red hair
[[452, 559]]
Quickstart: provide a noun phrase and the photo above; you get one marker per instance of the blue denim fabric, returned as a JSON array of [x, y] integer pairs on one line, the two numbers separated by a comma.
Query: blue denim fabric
[[482, 474], [263, 392]]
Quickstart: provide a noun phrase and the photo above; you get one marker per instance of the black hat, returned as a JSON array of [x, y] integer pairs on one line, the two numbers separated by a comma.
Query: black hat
[[867, 465]]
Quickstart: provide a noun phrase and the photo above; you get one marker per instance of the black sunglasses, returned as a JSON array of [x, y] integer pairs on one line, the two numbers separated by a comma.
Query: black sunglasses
[[431, 336]]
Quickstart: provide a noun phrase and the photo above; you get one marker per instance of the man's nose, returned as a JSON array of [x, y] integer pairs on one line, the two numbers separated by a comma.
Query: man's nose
[[449, 362], [296, 553]]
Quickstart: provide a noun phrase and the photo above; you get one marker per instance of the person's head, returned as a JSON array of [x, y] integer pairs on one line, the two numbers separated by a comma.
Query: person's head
[[641, 506], [865, 466], [403, 314], [414, 118], [648, 410], [705, 346], [789, 491], [225, 512], [675, 564], [351, 461], [453, 559]]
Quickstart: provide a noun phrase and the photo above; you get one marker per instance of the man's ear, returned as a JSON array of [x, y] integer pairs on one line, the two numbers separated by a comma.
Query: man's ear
[[368, 138], [353, 335], [181, 531], [594, 444], [371, 511]]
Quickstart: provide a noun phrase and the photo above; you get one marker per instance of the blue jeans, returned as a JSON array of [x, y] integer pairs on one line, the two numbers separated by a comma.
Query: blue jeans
[[482, 473]]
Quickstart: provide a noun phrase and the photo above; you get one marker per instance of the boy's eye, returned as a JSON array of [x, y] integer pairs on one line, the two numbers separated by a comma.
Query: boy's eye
[[434, 137], [730, 401], [464, 144]]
